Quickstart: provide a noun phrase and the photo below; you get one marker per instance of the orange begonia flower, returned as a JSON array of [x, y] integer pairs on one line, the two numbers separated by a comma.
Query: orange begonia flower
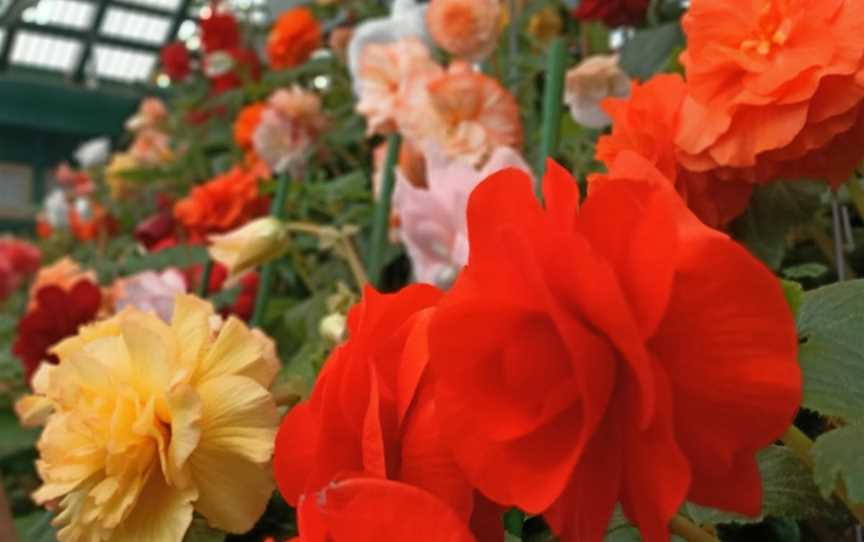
[[222, 204], [646, 124], [776, 86], [467, 29], [618, 352], [246, 123], [293, 38]]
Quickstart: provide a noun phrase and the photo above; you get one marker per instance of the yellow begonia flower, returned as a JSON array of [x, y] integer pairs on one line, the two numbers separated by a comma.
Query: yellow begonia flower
[[253, 244], [152, 421]]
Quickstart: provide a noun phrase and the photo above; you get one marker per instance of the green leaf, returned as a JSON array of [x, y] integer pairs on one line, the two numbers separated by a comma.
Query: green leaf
[[811, 270], [15, 438], [840, 454], [774, 209], [788, 492], [650, 49], [36, 527], [831, 329], [794, 293]]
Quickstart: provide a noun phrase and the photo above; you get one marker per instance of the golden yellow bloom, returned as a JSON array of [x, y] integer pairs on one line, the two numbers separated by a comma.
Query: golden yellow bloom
[[120, 162], [153, 421], [259, 241]]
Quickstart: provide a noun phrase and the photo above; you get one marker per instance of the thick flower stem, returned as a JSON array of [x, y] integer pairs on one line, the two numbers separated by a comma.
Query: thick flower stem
[[552, 99], [277, 210], [204, 285], [381, 223], [800, 444], [689, 531]]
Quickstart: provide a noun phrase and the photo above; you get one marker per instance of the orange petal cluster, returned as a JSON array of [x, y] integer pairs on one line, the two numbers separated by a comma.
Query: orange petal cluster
[[776, 87], [223, 203], [646, 124], [295, 36]]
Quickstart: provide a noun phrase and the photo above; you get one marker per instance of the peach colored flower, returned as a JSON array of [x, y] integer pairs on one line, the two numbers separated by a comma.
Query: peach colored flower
[[467, 29], [387, 72], [151, 147], [433, 220], [466, 112], [289, 127], [594, 79], [152, 113]]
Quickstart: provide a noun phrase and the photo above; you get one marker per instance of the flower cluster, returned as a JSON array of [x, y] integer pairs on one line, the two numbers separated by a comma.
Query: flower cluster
[[19, 260]]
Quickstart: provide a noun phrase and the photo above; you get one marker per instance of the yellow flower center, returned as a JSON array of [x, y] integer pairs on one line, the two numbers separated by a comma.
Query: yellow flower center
[[772, 28]]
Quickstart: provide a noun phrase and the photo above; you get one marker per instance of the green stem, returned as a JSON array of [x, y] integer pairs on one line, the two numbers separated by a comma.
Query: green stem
[[381, 223], [552, 100], [204, 284], [800, 444], [277, 210], [856, 194], [689, 531]]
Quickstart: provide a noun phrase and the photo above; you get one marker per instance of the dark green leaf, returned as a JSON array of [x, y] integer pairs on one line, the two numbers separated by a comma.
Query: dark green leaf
[[840, 454], [794, 293], [831, 328], [774, 210], [15, 438], [199, 531], [650, 50], [812, 270], [36, 527]]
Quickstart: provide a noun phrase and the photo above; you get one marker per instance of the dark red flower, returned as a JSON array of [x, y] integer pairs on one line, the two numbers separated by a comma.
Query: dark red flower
[[57, 314], [220, 31], [176, 61], [361, 509], [621, 352], [612, 12], [371, 413], [156, 228]]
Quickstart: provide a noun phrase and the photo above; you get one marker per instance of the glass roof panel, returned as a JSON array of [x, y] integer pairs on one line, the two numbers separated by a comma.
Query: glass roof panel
[[123, 23], [68, 13], [45, 51], [122, 64], [170, 5]]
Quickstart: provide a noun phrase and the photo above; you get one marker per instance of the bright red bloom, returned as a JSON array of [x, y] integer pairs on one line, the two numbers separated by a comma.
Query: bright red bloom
[[361, 509], [371, 413], [18, 261], [646, 123], [621, 352], [57, 314], [612, 12], [220, 31], [176, 61], [293, 39]]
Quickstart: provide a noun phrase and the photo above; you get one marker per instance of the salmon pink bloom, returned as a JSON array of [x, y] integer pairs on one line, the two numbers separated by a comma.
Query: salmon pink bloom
[[467, 29], [290, 125], [776, 88], [617, 352], [371, 413]]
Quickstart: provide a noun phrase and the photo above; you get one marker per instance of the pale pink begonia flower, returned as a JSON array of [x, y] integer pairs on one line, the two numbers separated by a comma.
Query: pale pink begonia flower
[[433, 224], [289, 126], [150, 291]]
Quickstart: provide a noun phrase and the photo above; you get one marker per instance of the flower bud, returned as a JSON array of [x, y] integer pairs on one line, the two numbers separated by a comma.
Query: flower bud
[[256, 243], [332, 327]]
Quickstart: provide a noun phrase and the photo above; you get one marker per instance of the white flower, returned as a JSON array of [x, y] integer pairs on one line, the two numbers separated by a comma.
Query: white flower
[[407, 20], [93, 152], [588, 84], [57, 209]]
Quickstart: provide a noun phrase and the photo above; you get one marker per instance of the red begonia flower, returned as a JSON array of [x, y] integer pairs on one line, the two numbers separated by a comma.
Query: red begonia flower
[[220, 31], [371, 413], [58, 314], [176, 61], [621, 352], [364, 509]]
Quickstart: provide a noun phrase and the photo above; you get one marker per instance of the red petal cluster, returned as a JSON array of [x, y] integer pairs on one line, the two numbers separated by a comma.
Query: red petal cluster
[[371, 415], [219, 32], [361, 509], [58, 313], [776, 88], [621, 352], [646, 123], [612, 12], [176, 61], [19, 260]]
